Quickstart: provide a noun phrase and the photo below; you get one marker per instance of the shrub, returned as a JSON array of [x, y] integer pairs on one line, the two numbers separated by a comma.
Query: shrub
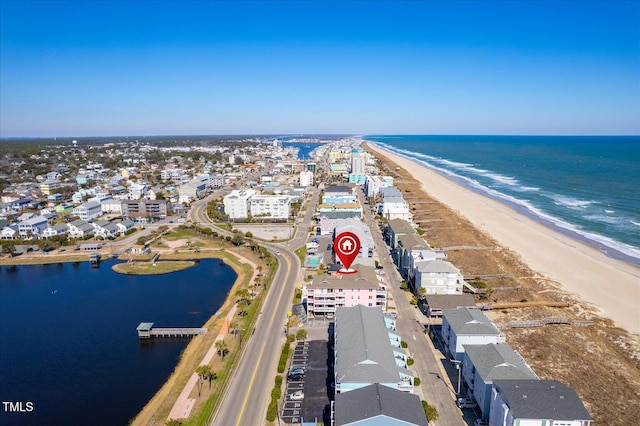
[[276, 393], [410, 361], [416, 381], [278, 380], [284, 356], [272, 411], [403, 344], [430, 411]]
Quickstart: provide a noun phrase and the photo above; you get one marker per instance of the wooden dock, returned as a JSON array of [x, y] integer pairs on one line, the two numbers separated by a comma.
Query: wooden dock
[[147, 331]]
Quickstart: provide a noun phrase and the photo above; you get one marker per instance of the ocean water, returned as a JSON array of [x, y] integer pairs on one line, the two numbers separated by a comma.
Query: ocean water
[[584, 186], [68, 340]]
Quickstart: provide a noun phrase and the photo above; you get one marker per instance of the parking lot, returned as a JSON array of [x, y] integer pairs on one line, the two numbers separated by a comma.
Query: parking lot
[[313, 356]]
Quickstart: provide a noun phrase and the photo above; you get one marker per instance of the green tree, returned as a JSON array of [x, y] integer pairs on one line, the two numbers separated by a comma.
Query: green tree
[[301, 334], [237, 239], [221, 347]]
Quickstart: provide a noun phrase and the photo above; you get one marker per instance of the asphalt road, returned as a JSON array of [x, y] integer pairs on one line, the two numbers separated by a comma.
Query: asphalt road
[[434, 373], [248, 395]]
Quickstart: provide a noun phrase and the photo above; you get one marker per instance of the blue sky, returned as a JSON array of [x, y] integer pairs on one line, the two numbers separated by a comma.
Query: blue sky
[[100, 68]]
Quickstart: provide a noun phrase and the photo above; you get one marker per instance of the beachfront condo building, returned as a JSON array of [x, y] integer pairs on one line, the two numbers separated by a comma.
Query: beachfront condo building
[[466, 326], [236, 203]]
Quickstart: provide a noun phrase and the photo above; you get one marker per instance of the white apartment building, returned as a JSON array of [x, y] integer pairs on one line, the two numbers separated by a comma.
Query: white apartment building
[[33, 226], [306, 178], [373, 184], [358, 162], [137, 191], [111, 206], [270, 206], [236, 203]]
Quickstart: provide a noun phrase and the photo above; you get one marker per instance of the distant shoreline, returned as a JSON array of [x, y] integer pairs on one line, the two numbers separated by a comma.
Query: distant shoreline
[[610, 284], [607, 250]]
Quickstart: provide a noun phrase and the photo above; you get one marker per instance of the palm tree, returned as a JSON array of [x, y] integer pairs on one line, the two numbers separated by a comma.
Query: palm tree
[[233, 327], [221, 346]]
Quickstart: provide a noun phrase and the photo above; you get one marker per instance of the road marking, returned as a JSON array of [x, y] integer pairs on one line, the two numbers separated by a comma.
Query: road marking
[[253, 377], [255, 370]]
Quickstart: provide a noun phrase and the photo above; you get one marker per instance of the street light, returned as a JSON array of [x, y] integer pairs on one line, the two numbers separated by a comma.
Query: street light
[[458, 365]]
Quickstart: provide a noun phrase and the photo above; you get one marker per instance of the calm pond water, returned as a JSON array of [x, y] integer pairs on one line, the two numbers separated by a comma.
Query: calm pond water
[[68, 340]]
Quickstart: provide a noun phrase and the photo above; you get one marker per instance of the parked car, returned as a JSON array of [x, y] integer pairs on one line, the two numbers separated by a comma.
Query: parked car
[[296, 396], [295, 376], [297, 370], [466, 403]]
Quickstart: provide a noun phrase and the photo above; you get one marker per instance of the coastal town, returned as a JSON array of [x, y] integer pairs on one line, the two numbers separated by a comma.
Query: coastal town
[[414, 326]]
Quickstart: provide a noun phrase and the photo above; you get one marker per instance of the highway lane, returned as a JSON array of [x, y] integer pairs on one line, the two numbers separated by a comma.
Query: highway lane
[[248, 395], [246, 399]]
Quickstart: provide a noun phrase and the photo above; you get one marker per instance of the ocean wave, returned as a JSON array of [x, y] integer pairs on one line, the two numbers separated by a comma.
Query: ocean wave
[[529, 209], [527, 189], [571, 202]]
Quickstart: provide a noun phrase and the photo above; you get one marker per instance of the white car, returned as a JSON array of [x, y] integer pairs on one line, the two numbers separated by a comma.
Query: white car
[[466, 403], [296, 396]]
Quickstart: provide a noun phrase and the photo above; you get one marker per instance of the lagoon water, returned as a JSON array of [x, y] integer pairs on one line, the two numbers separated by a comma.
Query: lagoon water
[[68, 340]]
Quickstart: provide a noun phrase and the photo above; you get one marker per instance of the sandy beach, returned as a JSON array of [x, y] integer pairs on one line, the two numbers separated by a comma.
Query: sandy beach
[[609, 284]]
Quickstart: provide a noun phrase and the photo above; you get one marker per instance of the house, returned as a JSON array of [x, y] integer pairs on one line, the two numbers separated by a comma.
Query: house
[[88, 211], [367, 351], [125, 225], [536, 403], [105, 229], [80, 229], [438, 277], [326, 293], [361, 230], [378, 405], [338, 195], [395, 228], [55, 230], [192, 190], [466, 326], [49, 186], [32, 227], [402, 254], [435, 304], [9, 232], [484, 364]]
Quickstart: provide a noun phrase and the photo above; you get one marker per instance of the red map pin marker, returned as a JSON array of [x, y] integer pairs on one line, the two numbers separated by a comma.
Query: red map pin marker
[[347, 247]]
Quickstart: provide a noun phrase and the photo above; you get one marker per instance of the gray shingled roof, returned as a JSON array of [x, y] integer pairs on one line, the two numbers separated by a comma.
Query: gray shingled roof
[[495, 362], [541, 399], [436, 266], [401, 226], [449, 301], [469, 321], [375, 401], [413, 241], [365, 278], [364, 353]]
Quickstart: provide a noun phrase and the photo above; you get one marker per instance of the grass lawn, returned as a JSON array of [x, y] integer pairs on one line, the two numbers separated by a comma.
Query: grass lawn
[[162, 267]]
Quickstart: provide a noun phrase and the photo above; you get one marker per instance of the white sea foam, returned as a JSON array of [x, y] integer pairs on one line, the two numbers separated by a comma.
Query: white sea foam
[[610, 211], [601, 240], [527, 189], [563, 200]]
